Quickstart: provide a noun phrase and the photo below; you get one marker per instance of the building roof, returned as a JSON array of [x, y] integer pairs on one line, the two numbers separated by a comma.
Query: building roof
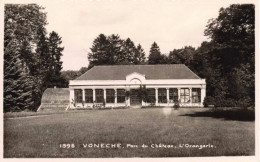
[[119, 72]]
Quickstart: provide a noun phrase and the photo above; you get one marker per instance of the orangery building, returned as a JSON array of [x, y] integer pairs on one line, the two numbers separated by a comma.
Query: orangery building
[[125, 85]]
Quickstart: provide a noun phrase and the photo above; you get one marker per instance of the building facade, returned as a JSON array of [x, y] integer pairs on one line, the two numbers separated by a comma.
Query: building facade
[[119, 85]]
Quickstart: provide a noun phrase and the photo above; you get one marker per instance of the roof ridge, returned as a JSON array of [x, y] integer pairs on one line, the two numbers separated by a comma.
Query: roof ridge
[[139, 65]]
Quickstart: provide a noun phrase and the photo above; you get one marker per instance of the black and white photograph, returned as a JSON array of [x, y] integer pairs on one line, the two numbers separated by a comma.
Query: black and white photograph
[[131, 79]]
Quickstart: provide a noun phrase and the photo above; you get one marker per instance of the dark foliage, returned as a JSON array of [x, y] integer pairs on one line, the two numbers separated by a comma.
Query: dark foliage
[[155, 55], [71, 75], [227, 114], [31, 59], [112, 50], [227, 62]]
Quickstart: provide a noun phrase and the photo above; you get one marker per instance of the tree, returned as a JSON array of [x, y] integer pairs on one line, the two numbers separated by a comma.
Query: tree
[[55, 49], [139, 57], [155, 54], [22, 23], [129, 51], [115, 54], [233, 32], [232, 52], [182, 56], [82, 70], [113, 50], [72, 74], [27, 57], [99, 51]]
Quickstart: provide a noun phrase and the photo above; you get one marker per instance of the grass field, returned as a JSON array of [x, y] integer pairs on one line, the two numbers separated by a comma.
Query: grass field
[[43, 136]]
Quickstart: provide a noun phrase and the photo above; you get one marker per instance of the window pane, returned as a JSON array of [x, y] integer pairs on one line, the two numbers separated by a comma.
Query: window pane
[[173, 94], [187, 91], [120, 95], [186, 94], [162, 95], [182, 98], [88, 95], [78, 95], [196, 95], [110, 96], [151, 95], [187, 98], [182, 91], [99, 95]]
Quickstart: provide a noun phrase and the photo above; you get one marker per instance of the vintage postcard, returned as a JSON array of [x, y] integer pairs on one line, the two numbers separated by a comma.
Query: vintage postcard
[[130, 80]]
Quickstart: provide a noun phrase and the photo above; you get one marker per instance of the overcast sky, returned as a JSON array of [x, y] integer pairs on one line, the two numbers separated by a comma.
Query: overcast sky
[[171, 23]]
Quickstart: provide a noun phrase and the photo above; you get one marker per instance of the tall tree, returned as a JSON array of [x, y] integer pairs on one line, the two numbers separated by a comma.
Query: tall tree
[[139, 57], [27, 59], [115, 54], [22, 23], [233, 37], [155, 54], [55, 49], [129, 51], [112, 50], [99, 51]]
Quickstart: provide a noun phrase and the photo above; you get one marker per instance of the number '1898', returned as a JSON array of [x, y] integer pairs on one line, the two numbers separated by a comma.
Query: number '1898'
[[67, 146]]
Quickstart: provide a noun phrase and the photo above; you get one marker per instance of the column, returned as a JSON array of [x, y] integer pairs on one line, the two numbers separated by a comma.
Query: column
[[94, 94], [179, 93], [83, 97], [156, 96], [168, 96], [72, 100], [115, 96], [105, 94], [128, 98], [203, 94], [190, 95]]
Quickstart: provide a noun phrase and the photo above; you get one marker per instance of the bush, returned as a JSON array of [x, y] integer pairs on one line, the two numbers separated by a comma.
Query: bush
[[226, 102], [176, 105], [209, 101]]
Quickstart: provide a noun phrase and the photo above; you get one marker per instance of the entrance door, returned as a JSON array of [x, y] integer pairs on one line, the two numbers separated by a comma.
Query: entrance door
[[134, 99]]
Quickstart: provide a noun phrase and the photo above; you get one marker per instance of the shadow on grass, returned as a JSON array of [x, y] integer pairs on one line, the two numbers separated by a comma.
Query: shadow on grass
[[227, 114]]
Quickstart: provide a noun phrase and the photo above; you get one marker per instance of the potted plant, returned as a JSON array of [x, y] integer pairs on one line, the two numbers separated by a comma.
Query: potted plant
[[176, 105]]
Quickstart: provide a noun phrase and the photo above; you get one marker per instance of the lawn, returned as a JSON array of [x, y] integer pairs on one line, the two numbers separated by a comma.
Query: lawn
[[183, 131]]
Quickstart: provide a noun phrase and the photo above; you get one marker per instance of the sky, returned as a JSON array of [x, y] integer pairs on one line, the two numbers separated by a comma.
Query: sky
[[172, 24]]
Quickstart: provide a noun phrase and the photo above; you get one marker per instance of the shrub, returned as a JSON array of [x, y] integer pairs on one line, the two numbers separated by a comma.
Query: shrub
[[208, 101], [176, 105], [226, 102], [104, 103]]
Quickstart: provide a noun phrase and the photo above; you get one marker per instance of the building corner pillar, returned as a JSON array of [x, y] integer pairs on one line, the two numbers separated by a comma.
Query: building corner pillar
[[203, 94], [72, 98]]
